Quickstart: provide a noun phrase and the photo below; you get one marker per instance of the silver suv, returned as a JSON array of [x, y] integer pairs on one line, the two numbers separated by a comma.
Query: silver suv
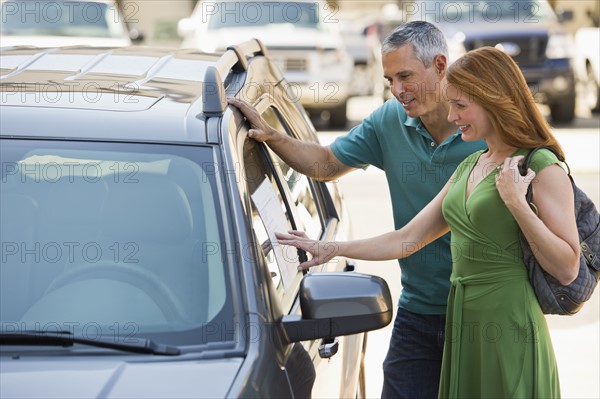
[[138, 220], [303, 39]]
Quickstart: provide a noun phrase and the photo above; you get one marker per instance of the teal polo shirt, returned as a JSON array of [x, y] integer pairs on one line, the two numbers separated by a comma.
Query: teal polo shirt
[[416, 168]]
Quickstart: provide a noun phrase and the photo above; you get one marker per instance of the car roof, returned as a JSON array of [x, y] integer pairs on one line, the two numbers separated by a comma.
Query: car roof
[[138, 93]]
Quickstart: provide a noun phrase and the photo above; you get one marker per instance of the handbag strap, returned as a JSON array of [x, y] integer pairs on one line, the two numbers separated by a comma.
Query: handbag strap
[[525, 166]]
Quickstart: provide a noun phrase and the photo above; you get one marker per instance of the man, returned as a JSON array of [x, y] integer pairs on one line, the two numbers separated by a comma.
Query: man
[[411, 140]]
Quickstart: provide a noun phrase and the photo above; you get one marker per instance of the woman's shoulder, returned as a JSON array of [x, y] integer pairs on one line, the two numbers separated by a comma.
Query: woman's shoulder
[[468, 162], [470, 159]]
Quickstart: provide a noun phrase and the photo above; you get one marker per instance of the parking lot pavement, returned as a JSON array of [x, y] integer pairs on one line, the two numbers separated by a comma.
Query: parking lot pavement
[[581, 148], [576, 342]]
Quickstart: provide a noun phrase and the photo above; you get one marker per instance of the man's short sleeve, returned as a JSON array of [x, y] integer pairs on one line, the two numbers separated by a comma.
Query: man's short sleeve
[[361, 147]]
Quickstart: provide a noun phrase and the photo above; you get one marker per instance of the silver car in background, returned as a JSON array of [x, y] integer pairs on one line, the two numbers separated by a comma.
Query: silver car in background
[[303, 38], [53, 23]]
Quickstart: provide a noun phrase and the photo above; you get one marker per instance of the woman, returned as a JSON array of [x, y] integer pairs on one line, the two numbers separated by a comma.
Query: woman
[[497, 340]]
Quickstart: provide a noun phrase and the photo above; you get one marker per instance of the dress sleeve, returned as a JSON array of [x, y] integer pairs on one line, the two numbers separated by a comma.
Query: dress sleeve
[[543, 158]]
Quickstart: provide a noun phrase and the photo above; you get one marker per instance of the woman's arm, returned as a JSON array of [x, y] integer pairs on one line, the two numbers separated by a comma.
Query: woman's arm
[[425, 227], [552, 234]]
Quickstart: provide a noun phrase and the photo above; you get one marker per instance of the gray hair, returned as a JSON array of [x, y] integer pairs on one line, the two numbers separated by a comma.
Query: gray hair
[[427, 40]]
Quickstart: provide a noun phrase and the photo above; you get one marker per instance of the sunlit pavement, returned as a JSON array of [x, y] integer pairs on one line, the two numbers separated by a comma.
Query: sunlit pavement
[[576, 339]]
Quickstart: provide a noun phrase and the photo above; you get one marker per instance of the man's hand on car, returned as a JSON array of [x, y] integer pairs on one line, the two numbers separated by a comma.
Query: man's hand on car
[[259, 128]]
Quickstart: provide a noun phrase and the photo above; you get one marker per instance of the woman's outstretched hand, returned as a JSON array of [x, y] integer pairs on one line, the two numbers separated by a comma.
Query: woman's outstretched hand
[[321, 251]]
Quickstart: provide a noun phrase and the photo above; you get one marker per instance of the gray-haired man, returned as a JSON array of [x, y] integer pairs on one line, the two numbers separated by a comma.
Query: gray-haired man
[[411, 140]]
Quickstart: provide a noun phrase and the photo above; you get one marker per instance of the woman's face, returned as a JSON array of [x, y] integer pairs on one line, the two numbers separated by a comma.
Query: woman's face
[[470, 117]]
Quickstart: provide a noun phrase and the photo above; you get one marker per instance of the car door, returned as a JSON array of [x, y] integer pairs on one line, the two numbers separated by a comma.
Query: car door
[[305, 205]]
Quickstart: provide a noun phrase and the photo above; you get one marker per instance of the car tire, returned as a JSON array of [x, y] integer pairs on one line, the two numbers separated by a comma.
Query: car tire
[[338, 116], [591, 90], [564, 111]]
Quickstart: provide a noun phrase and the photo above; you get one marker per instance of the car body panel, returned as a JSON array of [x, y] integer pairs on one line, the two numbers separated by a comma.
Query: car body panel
[[587, 65], [110, 378]]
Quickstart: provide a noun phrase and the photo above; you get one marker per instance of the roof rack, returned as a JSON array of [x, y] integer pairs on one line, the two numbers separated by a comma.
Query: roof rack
[[234, 59]]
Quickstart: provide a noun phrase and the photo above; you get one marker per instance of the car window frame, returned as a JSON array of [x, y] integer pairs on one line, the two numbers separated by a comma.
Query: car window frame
[[325, 206]]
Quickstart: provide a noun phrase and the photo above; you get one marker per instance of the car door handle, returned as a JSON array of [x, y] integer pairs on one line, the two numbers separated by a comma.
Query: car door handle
[[328, 348]]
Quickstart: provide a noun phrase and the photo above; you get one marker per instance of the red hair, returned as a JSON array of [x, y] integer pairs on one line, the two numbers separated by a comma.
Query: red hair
[[493, 79]]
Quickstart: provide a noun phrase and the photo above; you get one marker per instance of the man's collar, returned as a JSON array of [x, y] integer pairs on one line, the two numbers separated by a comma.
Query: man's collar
[[414, 122], [418, 125]]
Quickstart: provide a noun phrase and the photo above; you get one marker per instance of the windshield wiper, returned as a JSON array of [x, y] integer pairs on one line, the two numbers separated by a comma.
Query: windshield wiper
[[66, 339]]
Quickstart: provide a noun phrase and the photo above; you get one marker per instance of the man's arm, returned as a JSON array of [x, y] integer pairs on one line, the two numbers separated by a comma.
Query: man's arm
[[311, 159]]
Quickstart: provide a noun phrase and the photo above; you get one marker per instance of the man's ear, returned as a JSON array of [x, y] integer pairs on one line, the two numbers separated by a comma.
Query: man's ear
[[440, 63]]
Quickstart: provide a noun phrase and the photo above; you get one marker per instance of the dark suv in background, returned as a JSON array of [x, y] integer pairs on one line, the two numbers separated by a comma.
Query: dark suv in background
[[528, 30]]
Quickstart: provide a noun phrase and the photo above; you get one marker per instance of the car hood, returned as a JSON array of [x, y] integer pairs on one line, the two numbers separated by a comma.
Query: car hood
[[276, 36], [95, 378]]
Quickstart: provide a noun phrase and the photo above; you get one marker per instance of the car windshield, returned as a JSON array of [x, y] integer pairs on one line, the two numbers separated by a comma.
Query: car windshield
[[229, 14], [61, 18], [526, 11], [113, 239]]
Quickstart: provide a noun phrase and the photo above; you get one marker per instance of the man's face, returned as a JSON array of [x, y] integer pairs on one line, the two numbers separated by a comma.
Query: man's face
[[416, 87]]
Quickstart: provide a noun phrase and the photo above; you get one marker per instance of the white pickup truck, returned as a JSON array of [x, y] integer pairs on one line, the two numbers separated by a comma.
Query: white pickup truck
[[587, 65]]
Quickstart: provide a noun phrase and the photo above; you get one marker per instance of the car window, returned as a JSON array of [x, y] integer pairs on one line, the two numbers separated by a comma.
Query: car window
[[309, 217], [61, 18], [260, 175], [114, 238], [296, 202], [245, 13], [530, 11]]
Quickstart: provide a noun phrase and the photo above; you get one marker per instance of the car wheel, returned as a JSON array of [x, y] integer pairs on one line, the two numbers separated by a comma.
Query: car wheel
[[338, 116], [591, 90], [563, 112]]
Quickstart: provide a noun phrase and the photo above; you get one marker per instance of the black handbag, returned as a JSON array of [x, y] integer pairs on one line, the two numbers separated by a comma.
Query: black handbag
[[553, 297]]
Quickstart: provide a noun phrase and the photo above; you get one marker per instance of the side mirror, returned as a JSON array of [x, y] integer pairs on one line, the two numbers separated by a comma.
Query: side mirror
[[336, 304]]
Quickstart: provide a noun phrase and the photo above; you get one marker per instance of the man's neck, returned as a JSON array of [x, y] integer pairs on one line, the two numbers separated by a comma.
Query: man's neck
[[437, 124]]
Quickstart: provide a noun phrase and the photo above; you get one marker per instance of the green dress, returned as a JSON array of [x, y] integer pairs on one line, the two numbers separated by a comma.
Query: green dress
[[497, 340]]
